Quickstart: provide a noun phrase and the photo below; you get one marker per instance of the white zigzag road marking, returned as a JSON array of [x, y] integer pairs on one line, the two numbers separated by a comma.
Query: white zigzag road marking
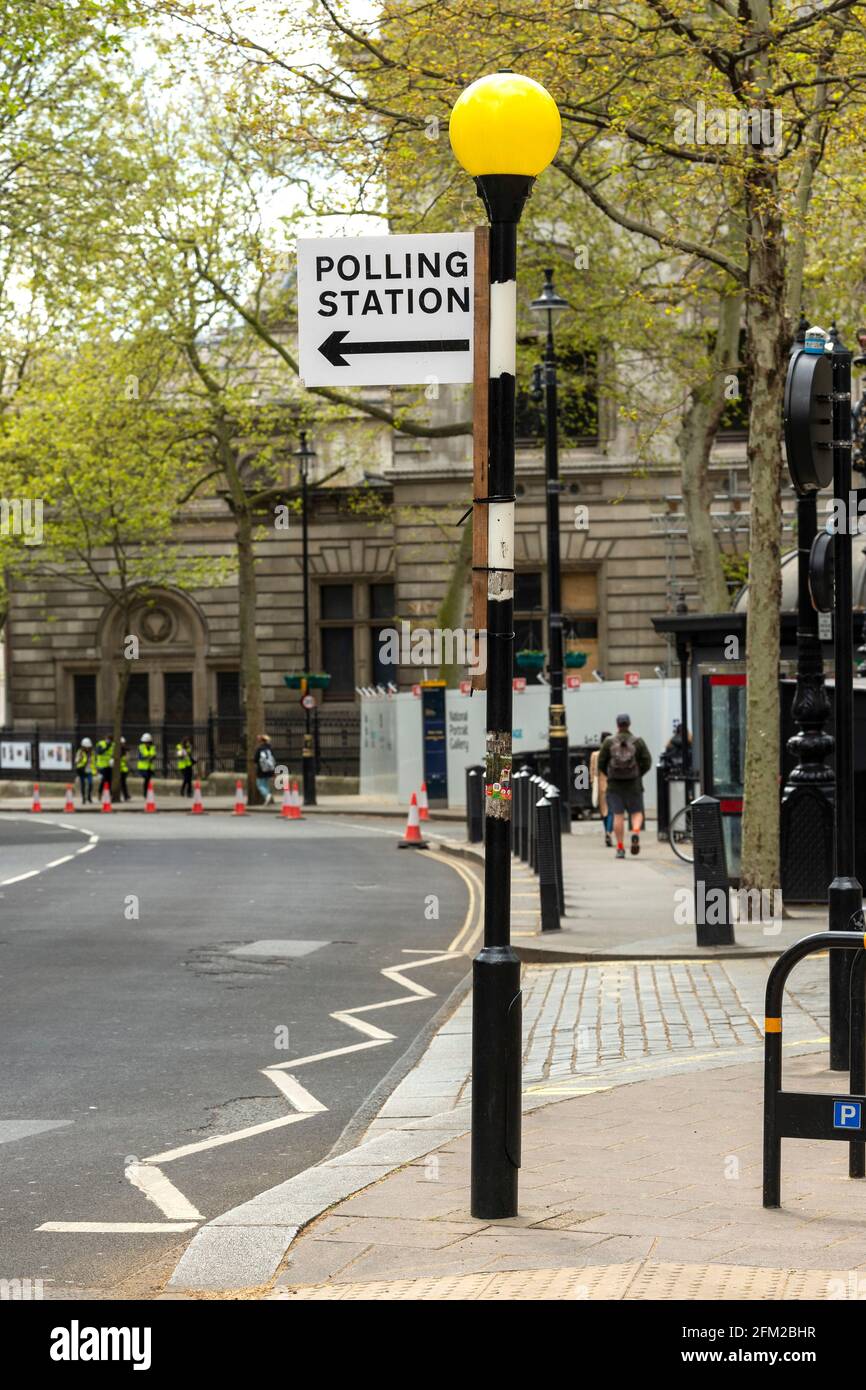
[[379, 1036], [157, 1188], [172, 1203]]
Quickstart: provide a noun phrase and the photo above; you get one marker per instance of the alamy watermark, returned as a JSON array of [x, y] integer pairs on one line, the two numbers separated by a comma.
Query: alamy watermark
[[730, 125], [22, 516], [715, 907], [433, 647]]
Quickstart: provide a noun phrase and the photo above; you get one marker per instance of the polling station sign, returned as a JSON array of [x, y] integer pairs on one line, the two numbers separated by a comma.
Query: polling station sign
[[385, 310]]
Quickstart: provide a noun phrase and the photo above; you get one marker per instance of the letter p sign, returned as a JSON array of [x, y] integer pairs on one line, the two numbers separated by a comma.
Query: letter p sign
[[846, 1114]]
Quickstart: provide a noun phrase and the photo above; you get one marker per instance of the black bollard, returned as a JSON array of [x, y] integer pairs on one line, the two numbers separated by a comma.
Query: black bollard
[[547, 879], [517, 810], [553, 797], [663, 803], [475, 804], [531, 798], [712, 884]]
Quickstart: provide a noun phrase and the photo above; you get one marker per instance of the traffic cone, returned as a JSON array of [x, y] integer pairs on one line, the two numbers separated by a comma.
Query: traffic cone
[[288, 803], [36, 804], [150, 799], [240, 800], [295, 812], [423, 806], [69, 805], [106, 798], [197, 807], [413, 833]]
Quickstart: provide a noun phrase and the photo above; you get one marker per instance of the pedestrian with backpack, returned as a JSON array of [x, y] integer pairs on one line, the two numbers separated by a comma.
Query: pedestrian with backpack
[[266, 766], [624, 759]]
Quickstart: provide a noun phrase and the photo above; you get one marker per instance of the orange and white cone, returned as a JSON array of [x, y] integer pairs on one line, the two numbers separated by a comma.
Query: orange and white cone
[[240, 800], [106, 798], [197, 807], [69, 804], [36, 804], [286, 808], [413, 830], [295, 812], [150, 799], [423, 805]]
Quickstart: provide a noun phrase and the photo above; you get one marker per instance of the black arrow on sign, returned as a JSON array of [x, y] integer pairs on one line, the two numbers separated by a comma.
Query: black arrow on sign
[[336, 350]]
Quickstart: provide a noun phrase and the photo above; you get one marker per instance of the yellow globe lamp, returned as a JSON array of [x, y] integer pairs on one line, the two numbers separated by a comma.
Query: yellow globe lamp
[[505, 124]]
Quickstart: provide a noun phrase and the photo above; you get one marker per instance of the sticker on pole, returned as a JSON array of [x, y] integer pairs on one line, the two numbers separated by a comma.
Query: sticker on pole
[[385, 310]]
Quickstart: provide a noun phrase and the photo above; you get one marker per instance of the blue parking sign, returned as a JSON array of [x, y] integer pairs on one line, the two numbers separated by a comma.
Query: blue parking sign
[[846, 1114]]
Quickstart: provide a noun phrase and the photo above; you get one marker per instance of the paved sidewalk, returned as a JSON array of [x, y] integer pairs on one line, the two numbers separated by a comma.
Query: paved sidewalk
[[650, 1189], [657, 1036], [638, 908]]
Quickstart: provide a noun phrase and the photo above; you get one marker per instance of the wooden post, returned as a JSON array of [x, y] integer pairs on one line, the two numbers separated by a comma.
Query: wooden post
[[481, 380]]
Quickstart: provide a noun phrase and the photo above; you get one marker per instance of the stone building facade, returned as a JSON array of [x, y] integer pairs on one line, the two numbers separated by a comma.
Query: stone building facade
[[624, 557]]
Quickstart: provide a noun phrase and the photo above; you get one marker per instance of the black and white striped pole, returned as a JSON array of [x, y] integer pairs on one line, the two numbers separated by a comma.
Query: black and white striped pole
[[505, 129]]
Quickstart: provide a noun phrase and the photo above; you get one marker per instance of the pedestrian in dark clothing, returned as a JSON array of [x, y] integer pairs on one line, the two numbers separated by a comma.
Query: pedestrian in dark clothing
[[185, 764], [625, 759], [265, 767], [124, 772]]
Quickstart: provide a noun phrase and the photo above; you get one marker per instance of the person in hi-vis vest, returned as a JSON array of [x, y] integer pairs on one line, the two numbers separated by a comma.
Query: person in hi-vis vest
[[185, 765], [146, 759], [85, 767], [104, 762]]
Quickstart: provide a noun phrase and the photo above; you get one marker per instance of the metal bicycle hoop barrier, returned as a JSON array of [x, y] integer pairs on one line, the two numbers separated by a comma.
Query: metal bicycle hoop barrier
[[807, 1114]]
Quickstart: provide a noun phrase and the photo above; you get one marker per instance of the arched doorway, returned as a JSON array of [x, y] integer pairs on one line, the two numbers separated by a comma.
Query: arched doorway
[[167, 650]]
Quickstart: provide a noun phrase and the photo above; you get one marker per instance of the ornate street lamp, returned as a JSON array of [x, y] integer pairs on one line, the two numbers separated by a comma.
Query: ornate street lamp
[[550, 304], [505, 129]]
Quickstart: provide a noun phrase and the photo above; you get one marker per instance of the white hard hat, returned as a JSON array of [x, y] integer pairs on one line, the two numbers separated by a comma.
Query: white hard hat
[[85, 743], [146, 738]]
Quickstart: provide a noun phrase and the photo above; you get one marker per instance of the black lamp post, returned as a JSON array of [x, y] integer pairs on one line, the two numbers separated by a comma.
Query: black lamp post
[[303, 454], [505, 129], [807, 802], [549, 303], [845, 893]]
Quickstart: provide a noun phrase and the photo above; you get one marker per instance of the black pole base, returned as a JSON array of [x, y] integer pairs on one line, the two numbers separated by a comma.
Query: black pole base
[[559, 777], [496, 1083], [846, 899], [308, 770]]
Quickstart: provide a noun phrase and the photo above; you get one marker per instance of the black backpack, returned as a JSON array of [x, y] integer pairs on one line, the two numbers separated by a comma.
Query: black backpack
[[622, 766]]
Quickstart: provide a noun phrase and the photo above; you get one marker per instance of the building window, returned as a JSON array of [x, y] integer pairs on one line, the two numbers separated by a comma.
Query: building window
[[580, 618], [353, 617], [382, 605], [228, 694], [84, 697], [337, 601], [136, 701], [528, 612]]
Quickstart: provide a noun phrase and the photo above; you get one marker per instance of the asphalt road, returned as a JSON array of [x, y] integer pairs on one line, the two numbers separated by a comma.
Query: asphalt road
[[131, 1027]]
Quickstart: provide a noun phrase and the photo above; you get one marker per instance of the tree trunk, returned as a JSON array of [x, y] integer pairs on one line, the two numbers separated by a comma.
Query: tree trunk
[[251, 673], [119, 702], [767, 357], [700, 422], [452, 610]]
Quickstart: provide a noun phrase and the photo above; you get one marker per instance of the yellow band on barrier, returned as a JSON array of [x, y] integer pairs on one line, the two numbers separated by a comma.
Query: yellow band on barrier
[[772, 1025]]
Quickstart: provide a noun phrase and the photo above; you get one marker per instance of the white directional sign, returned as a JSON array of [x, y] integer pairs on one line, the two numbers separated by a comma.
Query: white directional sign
[[385, 310]]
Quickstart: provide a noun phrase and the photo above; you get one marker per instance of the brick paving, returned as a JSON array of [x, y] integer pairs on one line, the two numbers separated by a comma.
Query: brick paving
[[583, 1022]]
